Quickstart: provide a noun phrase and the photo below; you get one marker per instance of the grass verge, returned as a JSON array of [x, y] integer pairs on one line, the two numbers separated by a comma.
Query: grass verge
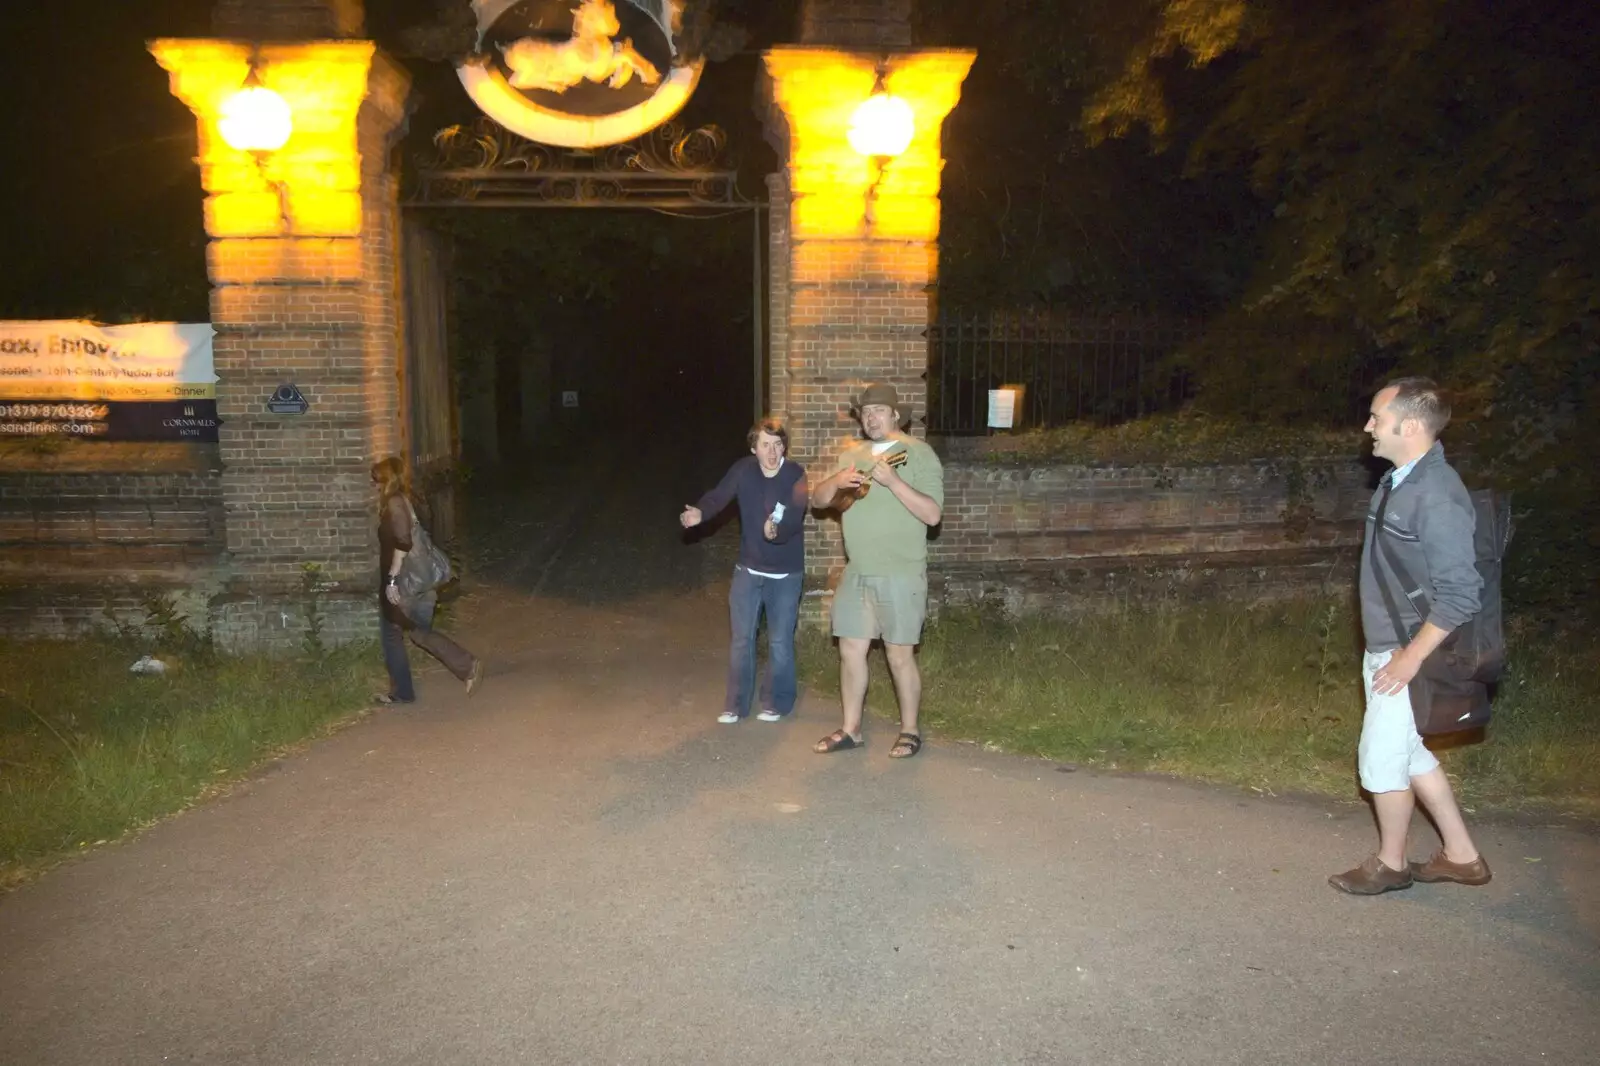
[[89, 751], [1267, 699]]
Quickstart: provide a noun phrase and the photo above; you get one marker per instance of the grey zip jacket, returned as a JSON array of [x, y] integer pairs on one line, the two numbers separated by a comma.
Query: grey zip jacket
[[1428, 526]]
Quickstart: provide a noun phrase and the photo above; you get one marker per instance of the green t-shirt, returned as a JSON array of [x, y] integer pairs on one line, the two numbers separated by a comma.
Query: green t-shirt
[[881, 537]]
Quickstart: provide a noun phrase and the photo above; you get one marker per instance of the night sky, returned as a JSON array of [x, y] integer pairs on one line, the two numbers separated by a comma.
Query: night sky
[[103, 196]]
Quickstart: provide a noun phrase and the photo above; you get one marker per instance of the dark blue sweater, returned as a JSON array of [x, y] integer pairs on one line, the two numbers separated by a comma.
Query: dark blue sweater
[[757, 496]]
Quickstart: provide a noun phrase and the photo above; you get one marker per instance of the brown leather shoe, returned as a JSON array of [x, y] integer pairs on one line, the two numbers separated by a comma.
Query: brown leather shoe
[[1440, 868], [1371, 878]]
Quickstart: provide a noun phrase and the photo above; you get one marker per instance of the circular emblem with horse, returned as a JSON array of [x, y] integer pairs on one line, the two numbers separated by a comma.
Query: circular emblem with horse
[[578, 73]]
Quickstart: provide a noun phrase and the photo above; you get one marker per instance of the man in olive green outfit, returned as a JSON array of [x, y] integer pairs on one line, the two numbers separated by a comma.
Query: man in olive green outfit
[[889, 489]]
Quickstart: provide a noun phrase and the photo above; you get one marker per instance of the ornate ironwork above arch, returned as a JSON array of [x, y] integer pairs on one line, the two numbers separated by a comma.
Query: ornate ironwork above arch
[[669, 169]]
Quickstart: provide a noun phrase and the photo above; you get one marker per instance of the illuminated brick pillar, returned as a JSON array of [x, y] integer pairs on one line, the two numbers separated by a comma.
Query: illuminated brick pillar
[[854, 249], [303, 271]]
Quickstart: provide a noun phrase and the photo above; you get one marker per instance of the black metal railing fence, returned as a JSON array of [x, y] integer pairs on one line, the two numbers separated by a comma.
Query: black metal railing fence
[[1069, 367]]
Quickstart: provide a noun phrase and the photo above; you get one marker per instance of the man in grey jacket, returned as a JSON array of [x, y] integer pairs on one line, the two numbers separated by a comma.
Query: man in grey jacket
[[1425, 516]]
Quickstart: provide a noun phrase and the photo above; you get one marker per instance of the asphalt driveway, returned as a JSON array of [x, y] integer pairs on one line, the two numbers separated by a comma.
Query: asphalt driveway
[[580, 866]]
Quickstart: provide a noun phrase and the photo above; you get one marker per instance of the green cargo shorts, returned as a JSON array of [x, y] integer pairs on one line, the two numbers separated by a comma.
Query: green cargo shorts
[[892, 607]]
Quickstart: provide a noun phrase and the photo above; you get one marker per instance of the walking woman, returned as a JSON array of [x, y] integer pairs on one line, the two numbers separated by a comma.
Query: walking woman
[[401, 616]]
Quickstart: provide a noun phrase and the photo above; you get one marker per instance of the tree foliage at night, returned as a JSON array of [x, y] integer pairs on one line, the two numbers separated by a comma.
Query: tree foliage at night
[[1034, 212], [1421, 194], [1421, 175], [1431, 173]]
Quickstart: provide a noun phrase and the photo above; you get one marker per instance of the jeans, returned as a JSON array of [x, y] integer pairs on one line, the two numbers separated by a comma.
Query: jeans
[[417, 623], [747, 597]]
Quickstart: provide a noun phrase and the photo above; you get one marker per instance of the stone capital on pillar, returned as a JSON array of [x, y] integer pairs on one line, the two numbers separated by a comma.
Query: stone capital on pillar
[[816, 91], [312, 185]]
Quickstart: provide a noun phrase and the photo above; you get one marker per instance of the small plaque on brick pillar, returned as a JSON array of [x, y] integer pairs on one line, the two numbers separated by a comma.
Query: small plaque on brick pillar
[[287, 400]]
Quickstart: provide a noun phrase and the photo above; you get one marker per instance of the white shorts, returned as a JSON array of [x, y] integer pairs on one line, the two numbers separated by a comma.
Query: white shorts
[[1391, 751]]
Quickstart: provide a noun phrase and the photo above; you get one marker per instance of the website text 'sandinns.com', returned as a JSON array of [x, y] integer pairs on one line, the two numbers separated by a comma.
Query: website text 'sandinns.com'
[[53, 419], [50, 429]]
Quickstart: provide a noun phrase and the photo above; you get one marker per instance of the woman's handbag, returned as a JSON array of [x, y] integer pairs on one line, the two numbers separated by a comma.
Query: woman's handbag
[[425, 566]]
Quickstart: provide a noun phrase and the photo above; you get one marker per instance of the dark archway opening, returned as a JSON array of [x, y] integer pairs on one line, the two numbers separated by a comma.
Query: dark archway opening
[[603, 341]]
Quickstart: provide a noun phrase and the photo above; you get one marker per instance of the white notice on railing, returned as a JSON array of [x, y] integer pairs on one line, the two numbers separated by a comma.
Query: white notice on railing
[[1002, 408]]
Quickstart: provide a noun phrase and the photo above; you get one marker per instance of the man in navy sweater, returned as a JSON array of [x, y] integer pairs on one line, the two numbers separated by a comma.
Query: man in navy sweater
[[773, 497]]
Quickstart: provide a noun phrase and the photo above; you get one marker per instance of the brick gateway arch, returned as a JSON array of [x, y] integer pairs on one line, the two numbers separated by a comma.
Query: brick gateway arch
[[683, 173], [305, 260]]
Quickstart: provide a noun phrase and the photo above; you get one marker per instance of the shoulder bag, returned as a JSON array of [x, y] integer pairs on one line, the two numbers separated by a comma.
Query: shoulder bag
[[425, 566], [1449, 693]]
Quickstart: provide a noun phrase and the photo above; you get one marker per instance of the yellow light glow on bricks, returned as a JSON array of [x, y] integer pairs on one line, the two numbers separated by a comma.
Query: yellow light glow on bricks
[[841, 117], [310, 184]]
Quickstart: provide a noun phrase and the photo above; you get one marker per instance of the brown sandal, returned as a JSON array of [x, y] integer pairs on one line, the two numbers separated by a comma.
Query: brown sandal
[[838, 740], [905, 746]]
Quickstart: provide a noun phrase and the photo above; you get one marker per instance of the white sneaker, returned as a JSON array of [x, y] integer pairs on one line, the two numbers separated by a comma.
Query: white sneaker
[[728, 718], [770, 716]]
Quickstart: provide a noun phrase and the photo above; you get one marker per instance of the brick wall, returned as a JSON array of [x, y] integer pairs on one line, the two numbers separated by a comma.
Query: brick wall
[[778, 293], [856, 311], [296, 488], [1065, 538], [383, 340], [287, 20], [856, 23], [94, 528]]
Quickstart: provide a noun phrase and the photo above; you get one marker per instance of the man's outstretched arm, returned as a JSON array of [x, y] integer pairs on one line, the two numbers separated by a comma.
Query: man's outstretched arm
[[712, 503]]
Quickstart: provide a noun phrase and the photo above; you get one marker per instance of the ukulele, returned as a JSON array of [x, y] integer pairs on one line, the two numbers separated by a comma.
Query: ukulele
[[846, 498]]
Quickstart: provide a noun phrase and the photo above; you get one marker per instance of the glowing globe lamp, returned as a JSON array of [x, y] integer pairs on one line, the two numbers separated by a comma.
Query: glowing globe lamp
[[882, 126], [255, 119]]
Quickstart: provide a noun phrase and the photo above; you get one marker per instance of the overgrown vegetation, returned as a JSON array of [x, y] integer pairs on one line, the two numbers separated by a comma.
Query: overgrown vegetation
[[313, 584], [1267, 699], [1175, 440], [89, 751]]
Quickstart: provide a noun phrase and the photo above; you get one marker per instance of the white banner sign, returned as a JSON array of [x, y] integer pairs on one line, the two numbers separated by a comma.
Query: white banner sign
[[148, 361]]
